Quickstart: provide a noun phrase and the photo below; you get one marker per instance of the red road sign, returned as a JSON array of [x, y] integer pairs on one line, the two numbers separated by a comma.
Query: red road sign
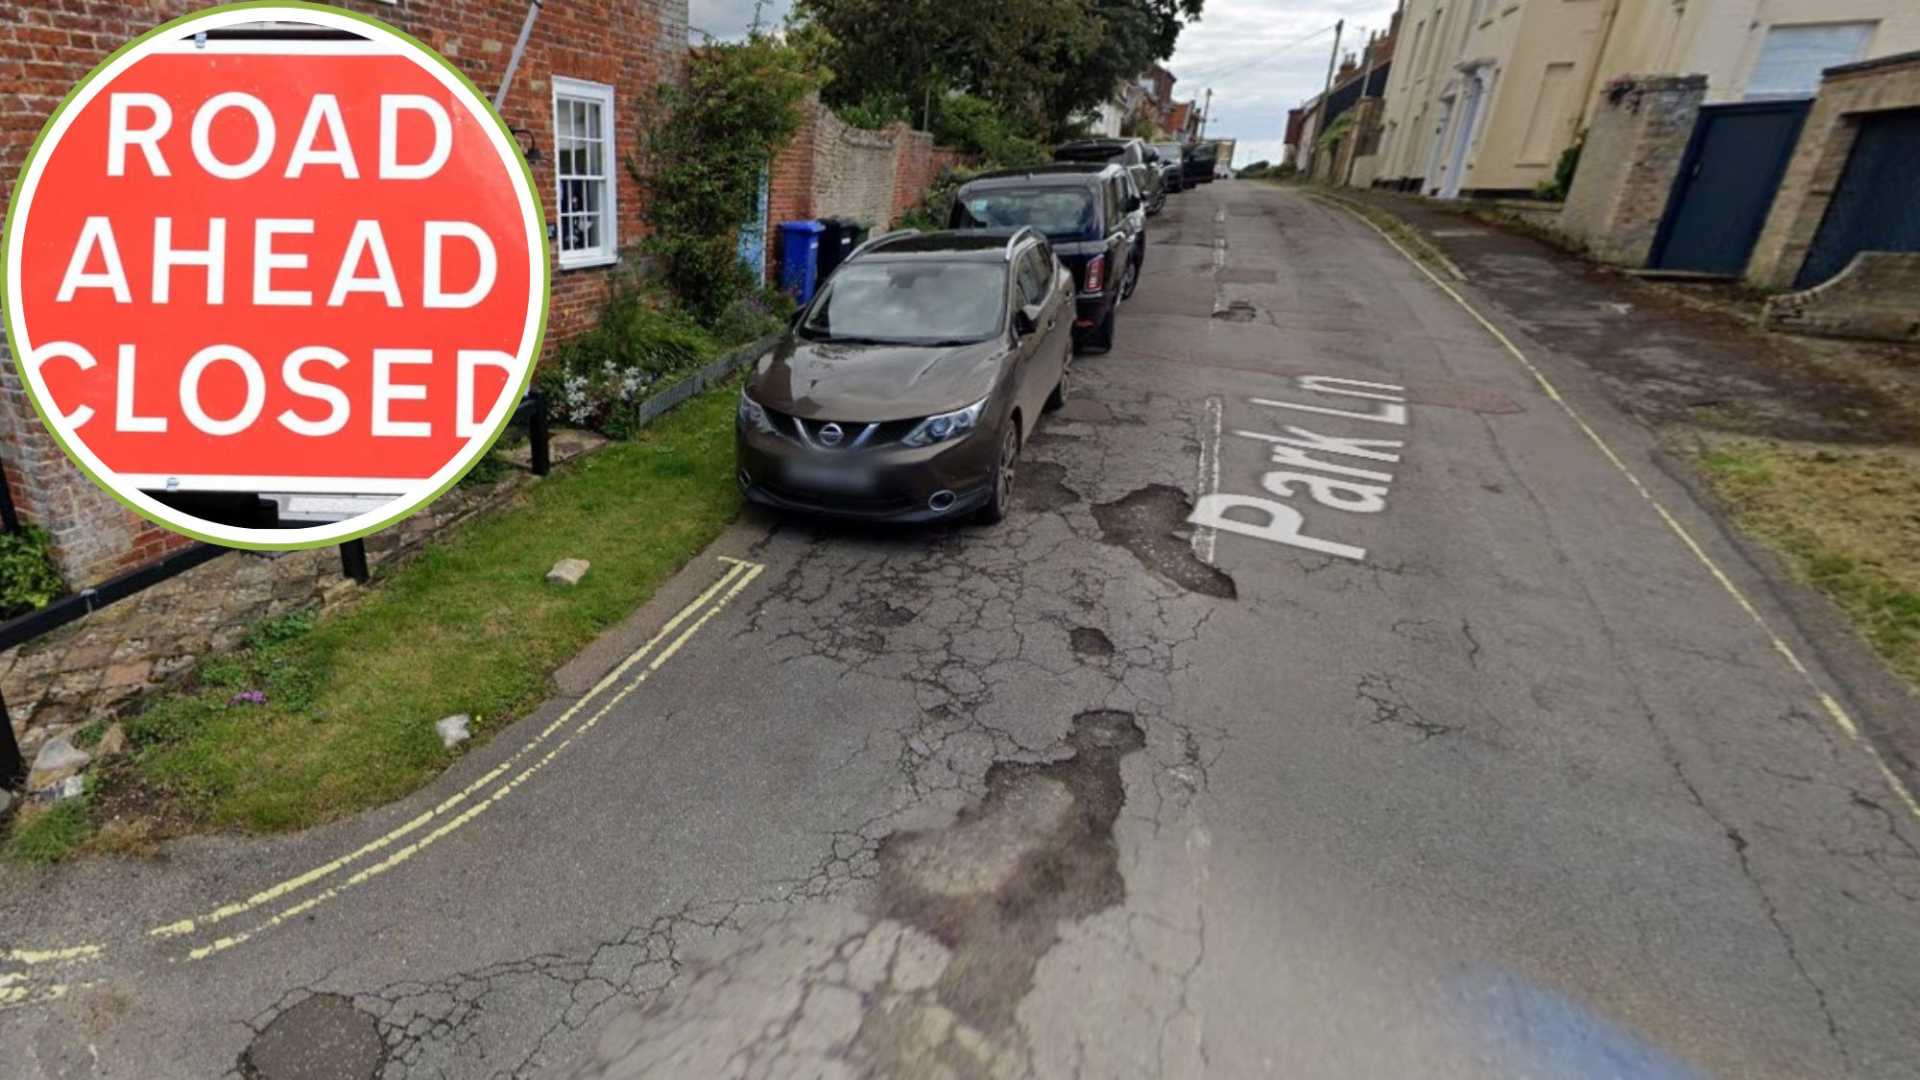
[[247, 265]]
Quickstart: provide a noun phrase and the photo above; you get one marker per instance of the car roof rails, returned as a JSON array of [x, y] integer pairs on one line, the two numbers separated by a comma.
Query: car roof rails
[[1018, 234], [878, 240]]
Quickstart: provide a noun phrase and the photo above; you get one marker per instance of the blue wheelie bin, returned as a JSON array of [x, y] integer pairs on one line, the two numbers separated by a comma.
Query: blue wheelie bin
[[800, 258]]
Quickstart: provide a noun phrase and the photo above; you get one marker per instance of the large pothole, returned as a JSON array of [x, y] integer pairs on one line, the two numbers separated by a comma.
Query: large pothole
[[994, 886], [324, 1037], [1043, 486], [1145, 522]]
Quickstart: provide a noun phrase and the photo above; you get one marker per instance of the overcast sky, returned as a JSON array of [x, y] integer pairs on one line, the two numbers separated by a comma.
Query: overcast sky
[[1251, 52]]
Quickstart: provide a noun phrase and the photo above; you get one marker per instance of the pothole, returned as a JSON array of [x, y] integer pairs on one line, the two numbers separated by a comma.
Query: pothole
[[1090, 642], [322, 1038], [878, 612], [1042, 485], [994, 886], [1237, 311], [1144, 522]]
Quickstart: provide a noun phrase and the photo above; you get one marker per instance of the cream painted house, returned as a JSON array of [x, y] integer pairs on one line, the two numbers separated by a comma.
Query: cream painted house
[[1488, 93]]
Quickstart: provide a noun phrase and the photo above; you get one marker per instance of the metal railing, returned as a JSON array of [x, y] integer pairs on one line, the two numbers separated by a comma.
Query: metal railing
[[353, 564]]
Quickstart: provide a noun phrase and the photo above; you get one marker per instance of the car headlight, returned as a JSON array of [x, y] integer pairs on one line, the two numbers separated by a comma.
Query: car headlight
[[945, 426], [751, 415]]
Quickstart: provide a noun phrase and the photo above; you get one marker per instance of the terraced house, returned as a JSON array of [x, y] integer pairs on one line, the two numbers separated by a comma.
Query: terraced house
[[573, 96], [1487, 94]]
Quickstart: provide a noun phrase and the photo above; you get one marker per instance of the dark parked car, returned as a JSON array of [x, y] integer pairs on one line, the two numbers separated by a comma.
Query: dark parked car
[[1199, 163], [1172, 168], [906, 389], [1084, 211], [1130, 153]]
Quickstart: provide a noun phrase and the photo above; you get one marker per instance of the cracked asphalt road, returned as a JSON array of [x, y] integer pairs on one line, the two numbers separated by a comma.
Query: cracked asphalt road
[[1522, 791]]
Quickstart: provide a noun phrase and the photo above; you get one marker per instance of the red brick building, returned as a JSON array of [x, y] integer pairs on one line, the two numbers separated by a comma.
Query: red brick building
[[593, 63]]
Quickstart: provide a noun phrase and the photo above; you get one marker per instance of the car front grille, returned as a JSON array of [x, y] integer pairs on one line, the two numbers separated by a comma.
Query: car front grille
[[854, 435]]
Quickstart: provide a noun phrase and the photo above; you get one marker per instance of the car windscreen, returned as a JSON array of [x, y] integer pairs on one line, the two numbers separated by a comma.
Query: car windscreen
[[1062, 212], [1169, 151], [909, 302], [1100, 152]]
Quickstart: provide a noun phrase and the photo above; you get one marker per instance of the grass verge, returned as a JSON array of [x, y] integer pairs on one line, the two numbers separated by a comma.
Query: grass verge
[[47, 834], [1846, 519], [314, 718]]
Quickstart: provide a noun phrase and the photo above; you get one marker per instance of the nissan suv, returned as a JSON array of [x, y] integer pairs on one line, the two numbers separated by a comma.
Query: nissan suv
[[907, 387]]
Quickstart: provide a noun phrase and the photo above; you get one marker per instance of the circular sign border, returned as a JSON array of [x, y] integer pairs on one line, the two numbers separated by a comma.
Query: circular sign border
[[533, 338]]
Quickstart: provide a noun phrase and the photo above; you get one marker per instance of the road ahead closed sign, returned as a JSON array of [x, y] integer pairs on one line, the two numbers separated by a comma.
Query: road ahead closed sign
[[273, 264]]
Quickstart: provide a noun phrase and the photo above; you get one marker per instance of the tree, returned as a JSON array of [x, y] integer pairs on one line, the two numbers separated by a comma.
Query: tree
[[1039, 62]]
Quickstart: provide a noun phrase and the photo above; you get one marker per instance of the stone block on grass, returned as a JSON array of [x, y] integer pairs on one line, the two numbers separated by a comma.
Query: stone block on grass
[[568, 572]]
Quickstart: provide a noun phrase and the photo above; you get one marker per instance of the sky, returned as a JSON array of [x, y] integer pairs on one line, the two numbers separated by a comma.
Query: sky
[[1261, 57]]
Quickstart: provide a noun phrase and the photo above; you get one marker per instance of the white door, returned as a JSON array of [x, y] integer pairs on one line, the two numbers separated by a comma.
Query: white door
[[1462, 139], [1430, 177]]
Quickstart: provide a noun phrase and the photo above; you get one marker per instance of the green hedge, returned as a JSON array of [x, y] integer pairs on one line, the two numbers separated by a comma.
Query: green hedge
[[27, 577]]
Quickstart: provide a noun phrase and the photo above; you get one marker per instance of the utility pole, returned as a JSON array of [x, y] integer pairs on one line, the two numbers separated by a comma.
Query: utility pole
[[1320, 123], [1206, 111]]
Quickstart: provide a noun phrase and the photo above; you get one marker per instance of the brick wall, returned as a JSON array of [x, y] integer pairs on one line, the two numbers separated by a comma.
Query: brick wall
[[833, 169], [1639, 134], [46, 46], [1877, 297], [1847, 94], [853, 171]]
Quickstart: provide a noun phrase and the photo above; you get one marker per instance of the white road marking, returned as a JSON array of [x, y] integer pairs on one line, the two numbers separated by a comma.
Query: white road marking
[[1208, 479]]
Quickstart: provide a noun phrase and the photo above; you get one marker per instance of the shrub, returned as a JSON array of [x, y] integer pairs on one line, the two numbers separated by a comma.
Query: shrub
[[878, 111], [27, 578], [704, 157], [752, 317], [937, 204], [1556, 189], [600, 378], [975, 125]]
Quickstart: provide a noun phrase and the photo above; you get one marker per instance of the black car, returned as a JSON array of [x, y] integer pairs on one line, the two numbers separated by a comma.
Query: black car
[[1171, 162], [1198, 166], [1130, 153], [906, 388], [1084, 211]]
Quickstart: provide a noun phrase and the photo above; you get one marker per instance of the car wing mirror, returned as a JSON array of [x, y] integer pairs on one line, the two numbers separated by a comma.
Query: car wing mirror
[[1026, 320], [1133, 203]]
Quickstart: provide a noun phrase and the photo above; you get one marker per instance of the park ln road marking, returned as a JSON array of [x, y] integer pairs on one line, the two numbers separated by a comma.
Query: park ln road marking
[[1834, 710], [745, 572], [275, 892]]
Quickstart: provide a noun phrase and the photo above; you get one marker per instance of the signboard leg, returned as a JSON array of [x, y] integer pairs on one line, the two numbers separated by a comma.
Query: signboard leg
[[353, 560], [537, 435], [13, 766]]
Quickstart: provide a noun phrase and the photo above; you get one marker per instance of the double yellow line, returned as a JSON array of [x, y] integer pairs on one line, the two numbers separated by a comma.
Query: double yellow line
[[401, 844]]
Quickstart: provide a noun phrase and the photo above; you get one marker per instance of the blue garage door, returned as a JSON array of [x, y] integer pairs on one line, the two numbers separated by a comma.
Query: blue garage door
[[1726, 185], [1877, 205]]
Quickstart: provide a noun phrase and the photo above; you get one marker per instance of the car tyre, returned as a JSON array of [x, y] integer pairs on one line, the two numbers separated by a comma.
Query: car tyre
[[1102, 338], [1127, 287], [995, 510]]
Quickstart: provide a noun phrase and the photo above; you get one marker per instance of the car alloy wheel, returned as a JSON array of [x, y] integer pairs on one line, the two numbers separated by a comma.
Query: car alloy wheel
[[995, 511]]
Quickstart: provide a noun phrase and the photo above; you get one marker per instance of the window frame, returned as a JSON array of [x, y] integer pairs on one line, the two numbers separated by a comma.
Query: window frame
[[607, 252], [1780, 31]]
